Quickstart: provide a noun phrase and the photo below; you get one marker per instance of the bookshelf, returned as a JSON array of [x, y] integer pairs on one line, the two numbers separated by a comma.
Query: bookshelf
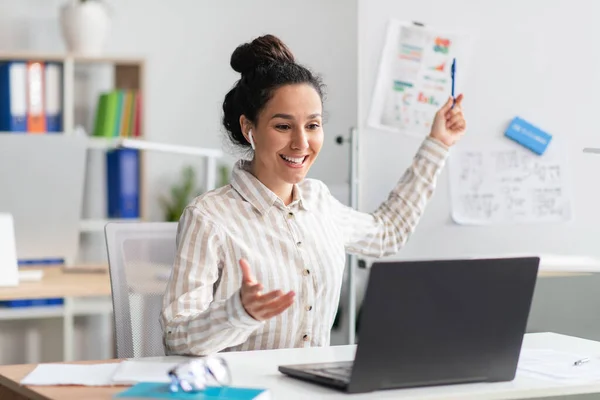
[[83, 78]]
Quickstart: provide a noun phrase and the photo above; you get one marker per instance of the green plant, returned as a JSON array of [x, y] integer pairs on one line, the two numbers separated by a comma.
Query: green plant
[[184, 192], [181, 194]]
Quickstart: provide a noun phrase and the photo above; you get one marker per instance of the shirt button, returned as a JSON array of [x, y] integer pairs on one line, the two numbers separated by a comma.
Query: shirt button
[[290, 215], [306, 272], [306, 338], [299, 244], [308, 308]]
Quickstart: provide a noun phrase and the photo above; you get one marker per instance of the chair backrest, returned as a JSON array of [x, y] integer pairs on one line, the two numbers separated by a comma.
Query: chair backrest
[[140, 258]]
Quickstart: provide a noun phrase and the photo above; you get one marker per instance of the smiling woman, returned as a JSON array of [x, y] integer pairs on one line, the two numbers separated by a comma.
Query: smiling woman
[[290, 229], [288, 137], [279, 104]]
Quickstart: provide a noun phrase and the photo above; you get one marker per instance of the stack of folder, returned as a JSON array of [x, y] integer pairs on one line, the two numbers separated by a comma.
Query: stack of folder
[[31, 96], [118, 114]]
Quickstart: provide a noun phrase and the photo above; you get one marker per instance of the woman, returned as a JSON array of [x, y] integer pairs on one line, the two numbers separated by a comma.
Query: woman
[[259, 262]]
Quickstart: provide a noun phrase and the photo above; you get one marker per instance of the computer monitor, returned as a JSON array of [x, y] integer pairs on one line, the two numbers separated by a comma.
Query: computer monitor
[[42, 181]]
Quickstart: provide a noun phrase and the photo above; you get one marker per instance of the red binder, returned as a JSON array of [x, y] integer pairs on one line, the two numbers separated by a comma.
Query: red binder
[[36, 114]]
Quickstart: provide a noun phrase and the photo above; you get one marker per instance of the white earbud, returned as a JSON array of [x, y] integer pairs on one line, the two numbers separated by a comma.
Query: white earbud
[[251, 140]]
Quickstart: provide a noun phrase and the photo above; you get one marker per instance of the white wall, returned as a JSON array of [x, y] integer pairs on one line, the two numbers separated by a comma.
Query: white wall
[[187, 45]]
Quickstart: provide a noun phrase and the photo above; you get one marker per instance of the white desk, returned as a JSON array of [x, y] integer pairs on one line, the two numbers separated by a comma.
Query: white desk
[[259, 369]]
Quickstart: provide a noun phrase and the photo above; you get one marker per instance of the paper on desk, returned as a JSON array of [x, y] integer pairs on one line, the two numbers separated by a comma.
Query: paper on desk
[[71, 374], [558, 366], [130, 372]]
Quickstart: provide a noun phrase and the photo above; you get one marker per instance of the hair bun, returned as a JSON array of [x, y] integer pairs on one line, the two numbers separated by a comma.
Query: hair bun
[[262, 50]]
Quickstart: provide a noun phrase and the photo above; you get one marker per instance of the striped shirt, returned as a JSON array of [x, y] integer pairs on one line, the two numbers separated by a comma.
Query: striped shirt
[[300, 247]]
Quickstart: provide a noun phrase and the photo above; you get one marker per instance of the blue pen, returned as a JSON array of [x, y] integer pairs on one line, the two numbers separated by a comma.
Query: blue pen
[[452, 73]]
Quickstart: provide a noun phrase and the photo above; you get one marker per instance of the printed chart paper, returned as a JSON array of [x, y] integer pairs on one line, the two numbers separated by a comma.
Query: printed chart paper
[[505, 184], [414, 78]]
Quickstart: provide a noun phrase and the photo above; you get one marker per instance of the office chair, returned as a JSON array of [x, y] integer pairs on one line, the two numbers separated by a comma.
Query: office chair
[[140, 258]]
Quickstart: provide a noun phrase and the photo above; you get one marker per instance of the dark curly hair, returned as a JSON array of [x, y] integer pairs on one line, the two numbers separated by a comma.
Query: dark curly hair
[[266, 64]]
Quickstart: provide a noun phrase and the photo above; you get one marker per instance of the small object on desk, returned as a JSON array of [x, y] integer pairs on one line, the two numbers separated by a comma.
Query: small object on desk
[[194, 375], [558, 366], [581, 361], [157, 390], [30, 275], [71, 374], [528, 135]]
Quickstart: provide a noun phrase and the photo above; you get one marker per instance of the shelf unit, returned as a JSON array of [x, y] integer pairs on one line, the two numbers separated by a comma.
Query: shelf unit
[[125, 73], [128, 73]]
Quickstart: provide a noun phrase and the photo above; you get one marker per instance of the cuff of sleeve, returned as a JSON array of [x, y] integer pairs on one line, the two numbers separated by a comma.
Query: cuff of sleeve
[[434, 151], [237, 315]]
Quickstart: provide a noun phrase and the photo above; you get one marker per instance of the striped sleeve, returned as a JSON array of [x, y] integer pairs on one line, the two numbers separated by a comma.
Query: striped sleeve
[[193, 322], [386, 230]]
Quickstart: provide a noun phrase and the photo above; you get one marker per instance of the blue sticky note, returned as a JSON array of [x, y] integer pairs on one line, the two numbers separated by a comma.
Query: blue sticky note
[[528, 135], [158, 390]]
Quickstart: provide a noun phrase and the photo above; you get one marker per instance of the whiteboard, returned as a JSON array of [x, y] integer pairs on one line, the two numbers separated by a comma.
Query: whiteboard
[[534, 59]]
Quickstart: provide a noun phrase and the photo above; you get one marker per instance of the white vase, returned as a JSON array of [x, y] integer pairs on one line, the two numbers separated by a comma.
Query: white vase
[[85, 26]]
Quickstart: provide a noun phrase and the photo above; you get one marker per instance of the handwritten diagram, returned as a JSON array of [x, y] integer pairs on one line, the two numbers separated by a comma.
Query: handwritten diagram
[[507, 184]]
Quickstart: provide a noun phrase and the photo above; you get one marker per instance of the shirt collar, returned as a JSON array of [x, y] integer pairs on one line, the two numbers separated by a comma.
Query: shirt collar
[[255, 192]]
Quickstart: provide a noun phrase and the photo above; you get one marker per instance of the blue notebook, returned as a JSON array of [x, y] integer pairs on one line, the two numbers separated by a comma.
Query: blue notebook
[[157, 390]]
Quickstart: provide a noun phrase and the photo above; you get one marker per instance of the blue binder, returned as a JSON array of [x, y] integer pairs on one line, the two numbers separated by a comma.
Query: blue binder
[[123, 183], [54, 96], [13, 96]]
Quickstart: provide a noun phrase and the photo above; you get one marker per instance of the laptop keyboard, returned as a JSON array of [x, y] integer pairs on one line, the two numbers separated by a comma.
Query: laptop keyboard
[[340, 371]]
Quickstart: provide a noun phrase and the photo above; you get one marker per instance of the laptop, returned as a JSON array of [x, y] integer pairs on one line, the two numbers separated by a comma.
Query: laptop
[[436, 322]]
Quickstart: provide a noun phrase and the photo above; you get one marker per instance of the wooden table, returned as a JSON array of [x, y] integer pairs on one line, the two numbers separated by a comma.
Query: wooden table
[[10, 389], [57, 282]]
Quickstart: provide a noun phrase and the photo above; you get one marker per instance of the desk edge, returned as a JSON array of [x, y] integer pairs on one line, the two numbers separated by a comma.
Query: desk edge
[[19, 389]]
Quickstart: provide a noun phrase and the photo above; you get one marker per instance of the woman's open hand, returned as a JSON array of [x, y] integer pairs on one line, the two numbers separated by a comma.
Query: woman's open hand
[[262, 306]]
